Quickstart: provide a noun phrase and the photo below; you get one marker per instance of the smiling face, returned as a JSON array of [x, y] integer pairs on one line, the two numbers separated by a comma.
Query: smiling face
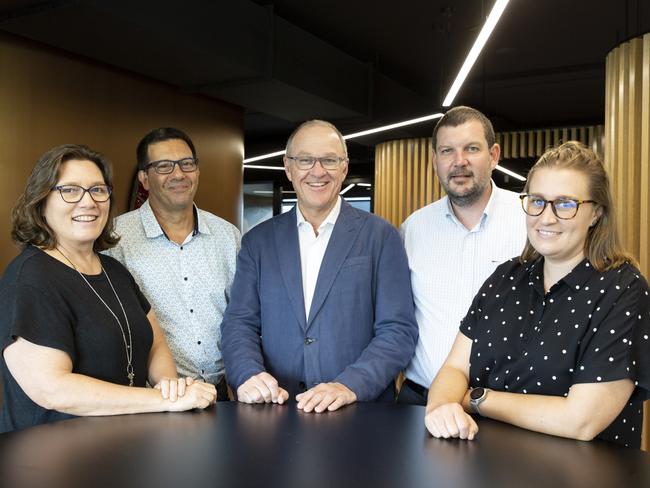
[[464, 162], [317, 189], [77, 225], [173, 192], [561, 242]]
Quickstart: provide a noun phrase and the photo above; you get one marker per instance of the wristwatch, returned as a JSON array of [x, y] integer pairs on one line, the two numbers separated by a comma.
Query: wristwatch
[[476, 397]]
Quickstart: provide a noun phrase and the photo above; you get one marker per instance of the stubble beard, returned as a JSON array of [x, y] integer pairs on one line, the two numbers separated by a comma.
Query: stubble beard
[[469, 197]]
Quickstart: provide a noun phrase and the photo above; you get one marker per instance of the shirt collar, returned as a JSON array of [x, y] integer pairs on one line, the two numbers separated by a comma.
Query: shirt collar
[[153, 229], [330, 219], [575, 279]]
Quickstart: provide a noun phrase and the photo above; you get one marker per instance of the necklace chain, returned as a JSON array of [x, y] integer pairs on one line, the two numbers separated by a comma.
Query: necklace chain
[[128, 346]]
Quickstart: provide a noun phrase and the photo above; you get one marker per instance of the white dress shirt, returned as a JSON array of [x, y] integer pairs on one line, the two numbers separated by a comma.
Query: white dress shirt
[[312, 249], [449, 263]]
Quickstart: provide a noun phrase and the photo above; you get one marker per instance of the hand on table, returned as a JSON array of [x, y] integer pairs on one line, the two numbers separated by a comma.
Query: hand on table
[[261, 388], [325, 396], [450, 420], [197, 394], [172, 388]]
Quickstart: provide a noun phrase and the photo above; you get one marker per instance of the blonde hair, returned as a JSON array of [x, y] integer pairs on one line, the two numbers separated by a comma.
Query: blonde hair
[[602, 246]]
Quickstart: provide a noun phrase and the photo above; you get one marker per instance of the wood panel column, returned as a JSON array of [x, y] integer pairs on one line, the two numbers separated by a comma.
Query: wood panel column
[[627, 151], [404, 178]]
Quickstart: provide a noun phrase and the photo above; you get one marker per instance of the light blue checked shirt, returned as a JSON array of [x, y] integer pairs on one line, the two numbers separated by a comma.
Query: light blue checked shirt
[[188, 285]]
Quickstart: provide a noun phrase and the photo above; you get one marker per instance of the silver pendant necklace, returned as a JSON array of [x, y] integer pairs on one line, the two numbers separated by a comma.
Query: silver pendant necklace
[[128, 346]]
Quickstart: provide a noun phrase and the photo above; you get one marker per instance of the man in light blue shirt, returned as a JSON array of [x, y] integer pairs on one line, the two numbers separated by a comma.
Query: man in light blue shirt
[[183, 258], [454, 244]]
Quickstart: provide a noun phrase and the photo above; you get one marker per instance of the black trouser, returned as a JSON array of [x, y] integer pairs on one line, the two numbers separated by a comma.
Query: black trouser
[[412, 394], [222, 390]]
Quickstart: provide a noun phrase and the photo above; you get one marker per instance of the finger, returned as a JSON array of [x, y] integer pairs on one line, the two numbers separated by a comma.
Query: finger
[[173, 390], [431, 425], [243, 395], [264, 392], [157, 386], [462, 421], [316, 398], [339, 402], [473, 429], [305, 397], [324, 404], [450, 425], [283, 396], [164, 388], [189, 380], [271, 384], [441, 426], [181, 387]]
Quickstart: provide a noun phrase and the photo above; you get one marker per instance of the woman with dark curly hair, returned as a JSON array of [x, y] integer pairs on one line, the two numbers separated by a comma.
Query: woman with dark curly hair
[[77, 335], [556, 341]]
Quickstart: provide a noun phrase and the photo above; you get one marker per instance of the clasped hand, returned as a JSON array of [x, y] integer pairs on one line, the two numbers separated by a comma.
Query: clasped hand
[[450, 420], [185, 393], [264, 388]]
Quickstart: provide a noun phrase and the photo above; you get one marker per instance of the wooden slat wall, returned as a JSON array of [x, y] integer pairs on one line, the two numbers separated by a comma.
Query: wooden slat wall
[[627, 150], [533, 143], [404, 178]]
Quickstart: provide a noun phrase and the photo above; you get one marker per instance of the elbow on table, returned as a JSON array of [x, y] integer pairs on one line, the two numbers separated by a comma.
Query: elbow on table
[[586, 430]]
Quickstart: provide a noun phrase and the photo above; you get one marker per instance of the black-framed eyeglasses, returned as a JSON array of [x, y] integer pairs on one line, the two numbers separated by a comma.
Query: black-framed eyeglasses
[[74, 193], [166, 166], [308, 162], [563, 208]]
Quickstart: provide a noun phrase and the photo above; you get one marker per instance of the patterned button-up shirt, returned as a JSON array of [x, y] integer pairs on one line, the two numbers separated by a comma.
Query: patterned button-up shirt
[[188, 285]]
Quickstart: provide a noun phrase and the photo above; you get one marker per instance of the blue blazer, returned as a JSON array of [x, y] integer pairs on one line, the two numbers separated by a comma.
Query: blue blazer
[[361, 330]]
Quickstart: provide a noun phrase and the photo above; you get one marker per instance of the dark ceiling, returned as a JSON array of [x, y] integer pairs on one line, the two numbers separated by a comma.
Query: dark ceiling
[[359, 63]]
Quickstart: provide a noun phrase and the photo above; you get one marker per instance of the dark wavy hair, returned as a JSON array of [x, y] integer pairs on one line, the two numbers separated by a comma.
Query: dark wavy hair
[[27, 223]]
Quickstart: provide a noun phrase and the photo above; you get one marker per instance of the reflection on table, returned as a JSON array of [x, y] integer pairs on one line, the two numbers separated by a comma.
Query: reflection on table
[[366, 445]]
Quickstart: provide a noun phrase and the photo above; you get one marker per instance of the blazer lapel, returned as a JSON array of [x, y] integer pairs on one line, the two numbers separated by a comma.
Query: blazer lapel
[[288, 251], [343, 236]]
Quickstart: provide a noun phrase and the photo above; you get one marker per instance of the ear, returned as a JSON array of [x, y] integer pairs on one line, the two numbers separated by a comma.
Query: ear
[[495, 153], [143, 178], [286, 168], [597, 214]]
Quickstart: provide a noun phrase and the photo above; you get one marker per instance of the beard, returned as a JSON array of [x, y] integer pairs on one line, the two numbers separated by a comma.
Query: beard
[[467, 196]]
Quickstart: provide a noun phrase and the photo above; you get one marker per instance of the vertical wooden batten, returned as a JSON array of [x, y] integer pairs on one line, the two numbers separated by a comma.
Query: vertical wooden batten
[[627, 150]]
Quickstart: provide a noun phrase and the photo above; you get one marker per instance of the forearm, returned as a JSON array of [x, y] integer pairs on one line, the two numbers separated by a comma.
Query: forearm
[[548, 414], [161, 364], [449, 386], [86, 396]]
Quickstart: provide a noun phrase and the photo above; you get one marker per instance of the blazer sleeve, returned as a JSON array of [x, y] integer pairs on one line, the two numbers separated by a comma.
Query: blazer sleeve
[[395, 328], [241, 325]]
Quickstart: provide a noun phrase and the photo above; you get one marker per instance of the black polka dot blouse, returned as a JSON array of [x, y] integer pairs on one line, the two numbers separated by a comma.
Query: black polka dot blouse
[[590, 327]]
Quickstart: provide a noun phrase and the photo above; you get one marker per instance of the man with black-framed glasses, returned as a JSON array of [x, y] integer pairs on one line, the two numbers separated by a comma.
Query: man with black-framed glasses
[[182, 257]]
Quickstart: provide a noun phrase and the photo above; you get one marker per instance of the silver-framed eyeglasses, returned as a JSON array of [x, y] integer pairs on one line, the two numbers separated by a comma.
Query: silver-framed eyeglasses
[[74, 193], [563, 208], [166, 166], [308, 162]]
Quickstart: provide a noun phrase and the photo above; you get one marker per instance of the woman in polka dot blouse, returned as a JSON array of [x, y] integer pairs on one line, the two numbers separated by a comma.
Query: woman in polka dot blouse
[[557, 340]]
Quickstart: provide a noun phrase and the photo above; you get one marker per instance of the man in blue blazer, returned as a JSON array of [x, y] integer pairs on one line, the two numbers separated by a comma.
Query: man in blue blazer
[[321, 304]]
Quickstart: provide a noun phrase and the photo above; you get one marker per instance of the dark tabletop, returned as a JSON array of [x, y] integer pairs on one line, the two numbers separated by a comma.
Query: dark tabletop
[[364, 445]]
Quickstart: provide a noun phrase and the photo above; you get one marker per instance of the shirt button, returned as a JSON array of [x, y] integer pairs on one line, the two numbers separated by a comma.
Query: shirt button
[[309, 341], [185, 278], [198, 342], [191, 310], [181, 248]]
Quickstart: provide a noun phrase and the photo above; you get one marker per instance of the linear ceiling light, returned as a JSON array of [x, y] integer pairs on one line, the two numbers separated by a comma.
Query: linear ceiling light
[[511, 173], [346, 189], [483, 36], [349, 136]]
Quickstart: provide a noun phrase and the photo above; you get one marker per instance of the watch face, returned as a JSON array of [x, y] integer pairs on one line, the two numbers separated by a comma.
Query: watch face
[[476, 393]]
